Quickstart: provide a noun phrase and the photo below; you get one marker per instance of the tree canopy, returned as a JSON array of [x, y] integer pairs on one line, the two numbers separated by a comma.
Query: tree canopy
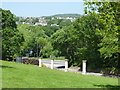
[[108, 13], [11, 38]]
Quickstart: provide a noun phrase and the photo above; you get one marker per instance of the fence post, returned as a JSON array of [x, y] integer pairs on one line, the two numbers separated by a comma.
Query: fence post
[[84, 67], [40, 62], [66, 65], [52, 64]]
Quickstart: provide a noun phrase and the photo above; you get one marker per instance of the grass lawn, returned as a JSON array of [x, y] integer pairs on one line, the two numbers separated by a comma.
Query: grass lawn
[[17, 75]]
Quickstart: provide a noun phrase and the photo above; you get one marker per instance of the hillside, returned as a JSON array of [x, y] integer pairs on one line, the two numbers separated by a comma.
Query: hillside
[[67, 15], [17, 75]]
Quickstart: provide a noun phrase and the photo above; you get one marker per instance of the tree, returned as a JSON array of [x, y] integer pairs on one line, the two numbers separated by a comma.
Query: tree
[[52, 22], [42, 42], [30, 34], [11, 38], [86, 30], [47, 51], [64, 41], [34, 20], [65, 22], [108, 15], [79, 41], [49, 30]]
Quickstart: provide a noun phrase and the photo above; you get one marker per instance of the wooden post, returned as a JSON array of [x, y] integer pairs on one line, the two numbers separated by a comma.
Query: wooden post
[[52, 64], [40, 62], [66, 65], [84, 67]]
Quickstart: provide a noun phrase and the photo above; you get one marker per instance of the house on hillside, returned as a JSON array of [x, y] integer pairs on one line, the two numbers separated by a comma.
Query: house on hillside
[[54, 25]]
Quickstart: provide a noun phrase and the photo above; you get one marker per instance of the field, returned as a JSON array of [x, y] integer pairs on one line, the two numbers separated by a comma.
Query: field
[[17, 75]]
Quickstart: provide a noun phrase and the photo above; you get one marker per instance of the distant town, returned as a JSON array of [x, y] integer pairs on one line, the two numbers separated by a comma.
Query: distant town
[[45, 20]]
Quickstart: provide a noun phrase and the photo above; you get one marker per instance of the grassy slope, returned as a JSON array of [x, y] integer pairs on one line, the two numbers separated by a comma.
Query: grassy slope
[[16, 75]]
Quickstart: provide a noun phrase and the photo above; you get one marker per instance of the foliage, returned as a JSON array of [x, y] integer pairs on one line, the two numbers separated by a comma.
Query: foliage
[[47, 50], [49, 30], [79, 41], [108, 15], [32, 36], [42, 42], [34, 20], [36, 40], [52, 22], [62, 41], [61, 22], [11, 38], [89, 39], [67, 15], [65, 23]]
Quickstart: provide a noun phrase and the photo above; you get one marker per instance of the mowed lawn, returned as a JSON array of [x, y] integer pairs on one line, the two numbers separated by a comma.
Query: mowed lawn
[[17, 75]]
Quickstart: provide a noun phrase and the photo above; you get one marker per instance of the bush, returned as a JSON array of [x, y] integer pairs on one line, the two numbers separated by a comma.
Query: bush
[[111, 71], [31, 61]]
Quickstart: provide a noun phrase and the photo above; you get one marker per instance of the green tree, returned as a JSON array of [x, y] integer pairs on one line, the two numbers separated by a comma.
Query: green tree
[[49, 30], [42, 42], [30, 34], [86, 29], [11, 38], [34, 20], [64, 41], [47, 50], [52, 22], [65, 22], [79, 41], [108, 15]]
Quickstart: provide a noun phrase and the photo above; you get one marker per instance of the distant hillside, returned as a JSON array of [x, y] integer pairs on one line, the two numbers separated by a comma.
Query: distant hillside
[[67, 15]]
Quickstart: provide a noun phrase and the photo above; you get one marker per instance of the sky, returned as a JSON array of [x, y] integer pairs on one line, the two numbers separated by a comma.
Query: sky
[[42, 0], [35, 8]]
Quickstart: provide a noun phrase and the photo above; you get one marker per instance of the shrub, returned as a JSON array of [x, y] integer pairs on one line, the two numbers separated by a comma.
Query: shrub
[[31, 61]]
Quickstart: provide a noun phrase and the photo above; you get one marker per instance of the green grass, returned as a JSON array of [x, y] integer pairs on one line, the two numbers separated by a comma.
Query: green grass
[[17, 75]]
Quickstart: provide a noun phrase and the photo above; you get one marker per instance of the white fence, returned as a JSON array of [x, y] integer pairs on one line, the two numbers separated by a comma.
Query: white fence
[[52, 63]]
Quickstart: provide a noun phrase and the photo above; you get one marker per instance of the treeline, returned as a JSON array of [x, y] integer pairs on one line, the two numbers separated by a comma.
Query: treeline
[[93, 37], [67, 15]]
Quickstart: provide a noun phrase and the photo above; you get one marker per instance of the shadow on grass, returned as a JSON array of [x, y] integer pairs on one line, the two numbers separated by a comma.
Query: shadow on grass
[[2, 66], [108, 86]]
